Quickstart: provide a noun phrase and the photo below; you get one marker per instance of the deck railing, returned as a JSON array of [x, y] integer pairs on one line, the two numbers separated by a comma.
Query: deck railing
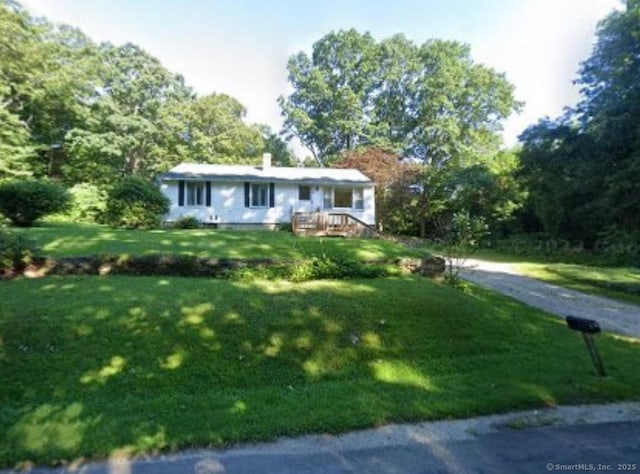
[[330, 223]]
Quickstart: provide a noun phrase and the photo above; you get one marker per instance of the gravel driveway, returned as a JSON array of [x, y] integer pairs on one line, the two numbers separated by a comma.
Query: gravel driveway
[[614, 316]]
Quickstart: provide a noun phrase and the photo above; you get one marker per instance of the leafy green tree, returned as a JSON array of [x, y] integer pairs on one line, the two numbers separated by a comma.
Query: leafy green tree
[[281, 154], [488, 190], [563, 185], [332, 90], [217, 132], [430, 102], [464, 235], [20, 58], [88, 203], [66, 87], [16, 148], [24, 202], [610, 112], [395, 93], [126, 133], [582, 169], [45, 85], [459, 107], [135, 203], [85, 113]]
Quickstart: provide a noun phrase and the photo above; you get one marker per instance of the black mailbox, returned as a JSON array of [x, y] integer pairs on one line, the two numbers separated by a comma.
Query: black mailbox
[[588, 326]]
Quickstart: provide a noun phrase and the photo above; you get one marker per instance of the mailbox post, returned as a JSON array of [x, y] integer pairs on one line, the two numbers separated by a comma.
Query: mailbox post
[[588, 327]]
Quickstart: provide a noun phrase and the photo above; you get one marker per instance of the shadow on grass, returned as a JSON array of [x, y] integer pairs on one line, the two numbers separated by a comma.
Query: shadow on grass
[[92, 366], [627, 283], [65, 239]]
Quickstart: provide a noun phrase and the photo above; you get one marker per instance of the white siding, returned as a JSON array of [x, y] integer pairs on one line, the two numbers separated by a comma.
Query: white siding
[[369, 214], [227, 205]]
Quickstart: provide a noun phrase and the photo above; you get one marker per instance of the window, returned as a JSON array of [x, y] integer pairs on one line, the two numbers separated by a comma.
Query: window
[[304, 193], [358, 198], [259, 193], [195, 194], [346, 198], [342, 197], [328, 198]]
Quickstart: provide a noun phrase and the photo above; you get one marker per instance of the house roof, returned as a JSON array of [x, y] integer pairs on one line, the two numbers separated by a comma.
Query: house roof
[[198, 171]]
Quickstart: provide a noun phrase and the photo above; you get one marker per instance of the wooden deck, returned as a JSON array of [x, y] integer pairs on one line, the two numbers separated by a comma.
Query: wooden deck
[[330, 224]]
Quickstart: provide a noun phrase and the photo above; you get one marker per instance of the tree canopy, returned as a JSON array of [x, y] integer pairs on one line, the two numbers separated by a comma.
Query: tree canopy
[[77, 111], [583, 168], [430, 102]]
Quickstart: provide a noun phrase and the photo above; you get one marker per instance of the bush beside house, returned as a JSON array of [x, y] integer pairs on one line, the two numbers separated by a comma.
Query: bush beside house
[[135, 203]]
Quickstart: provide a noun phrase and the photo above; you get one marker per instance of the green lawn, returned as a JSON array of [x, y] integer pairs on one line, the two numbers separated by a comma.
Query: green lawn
[[622, 283], [617, 282], [91, 366], [64, 240]]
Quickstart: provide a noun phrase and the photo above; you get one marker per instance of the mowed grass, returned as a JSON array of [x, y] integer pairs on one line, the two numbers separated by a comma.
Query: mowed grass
[[68, 240], [622, 283], [93, 366]]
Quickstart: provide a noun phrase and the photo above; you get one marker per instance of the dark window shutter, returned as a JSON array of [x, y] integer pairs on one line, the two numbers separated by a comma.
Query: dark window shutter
[[180, 193], [246, 194], [208, 193], [272, 195]]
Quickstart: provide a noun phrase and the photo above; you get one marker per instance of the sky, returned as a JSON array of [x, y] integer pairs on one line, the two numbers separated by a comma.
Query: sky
[[241, 47]]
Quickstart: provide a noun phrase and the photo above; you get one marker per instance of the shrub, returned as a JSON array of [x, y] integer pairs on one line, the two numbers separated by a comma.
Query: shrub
[[88, 203], [16, 251], [187, 222], [24, 202], [617, 246], [461, 240], [135, 203], [334, 268], [613, 247], [232, 269]]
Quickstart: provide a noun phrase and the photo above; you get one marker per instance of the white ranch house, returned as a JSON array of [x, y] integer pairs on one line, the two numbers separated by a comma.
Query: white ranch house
[[230, 196]]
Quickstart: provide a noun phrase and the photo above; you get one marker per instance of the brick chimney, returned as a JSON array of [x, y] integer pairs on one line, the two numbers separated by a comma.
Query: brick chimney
[[266, 160]]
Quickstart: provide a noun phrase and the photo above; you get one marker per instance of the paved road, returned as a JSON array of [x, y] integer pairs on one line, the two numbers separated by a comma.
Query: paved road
[[623, 318], [572, 438]]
